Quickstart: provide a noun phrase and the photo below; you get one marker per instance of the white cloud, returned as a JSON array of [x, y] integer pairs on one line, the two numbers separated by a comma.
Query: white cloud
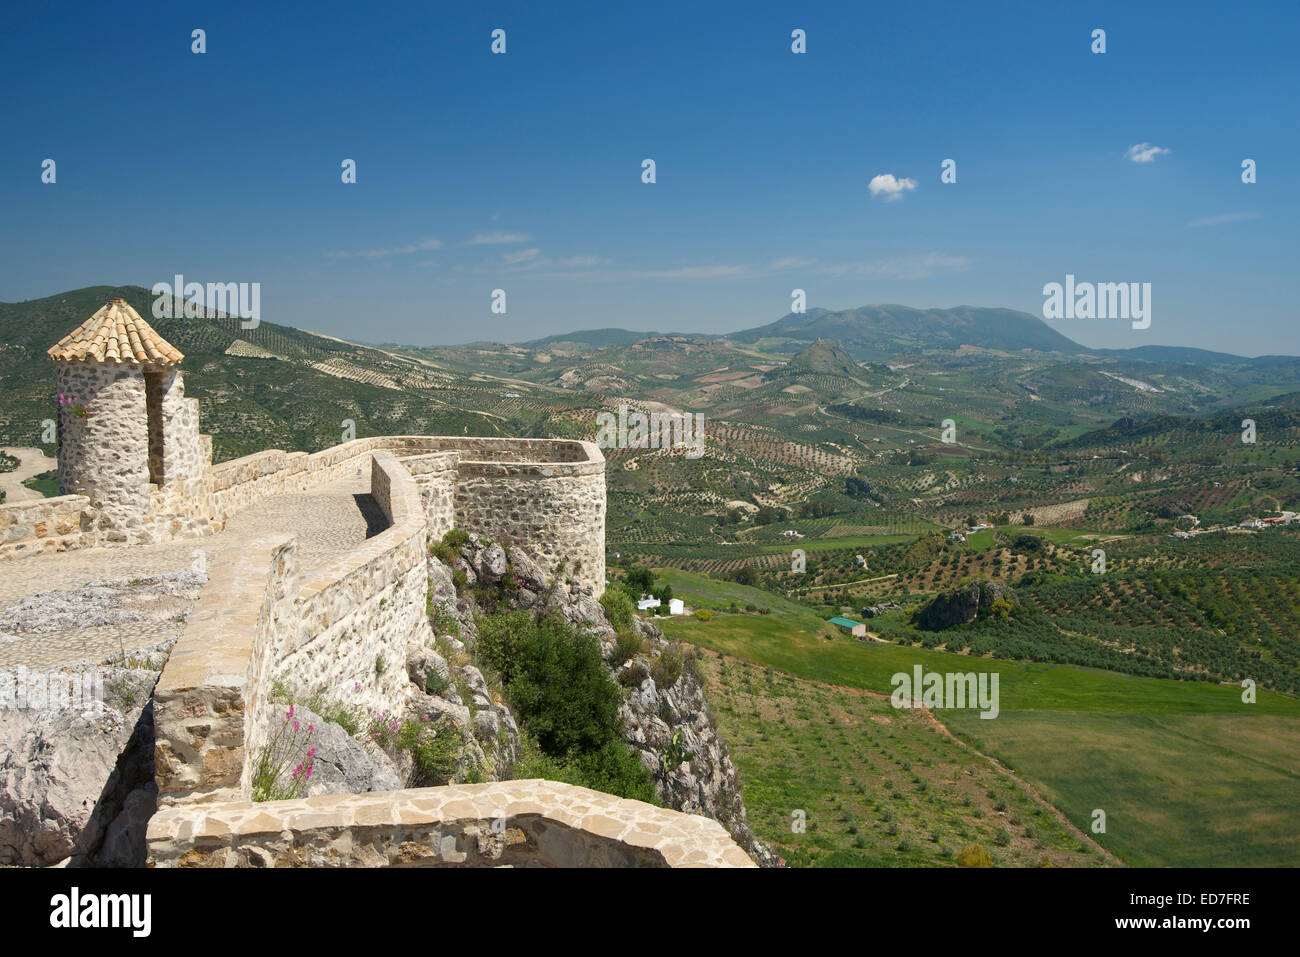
[[421, 246], [892, 188], [523, 255], [1221, 219], [791, 262], [1145, 152], [497, 239]]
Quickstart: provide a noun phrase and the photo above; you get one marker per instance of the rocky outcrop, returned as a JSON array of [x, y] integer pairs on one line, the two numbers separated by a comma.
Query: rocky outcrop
[[673, 732], [884, 608], [76, 780], [666, 719], [962, 605], [339, 765]]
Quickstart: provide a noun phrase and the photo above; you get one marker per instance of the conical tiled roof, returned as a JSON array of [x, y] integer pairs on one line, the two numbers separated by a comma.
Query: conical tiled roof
[[115, 333]]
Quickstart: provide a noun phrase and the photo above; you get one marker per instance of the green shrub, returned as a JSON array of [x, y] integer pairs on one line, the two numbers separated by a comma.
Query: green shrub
[[626, 645], [556, 682], [667, 668], [555, 679], [435, 747], [703, 614], [619, 608], [974, 856], [633, 676], [614, 769]]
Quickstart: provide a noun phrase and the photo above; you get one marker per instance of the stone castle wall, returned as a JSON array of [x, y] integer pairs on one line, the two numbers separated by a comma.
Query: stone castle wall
[[342, 632], [46, 525], [530, 823], [558, 518], [545, 495]]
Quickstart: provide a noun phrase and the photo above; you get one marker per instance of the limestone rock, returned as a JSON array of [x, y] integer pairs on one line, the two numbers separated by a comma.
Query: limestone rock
[[961, 605], [66, 772], [341, 764]]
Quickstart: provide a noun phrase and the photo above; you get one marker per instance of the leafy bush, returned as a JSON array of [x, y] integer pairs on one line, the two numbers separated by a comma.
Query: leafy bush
[[555, 678], [614, 769], [703, 614], [619, 608], [448, 550], [974, 856], [639, 581], [435, 747], [668, 668], [633, 676], [625, 647]]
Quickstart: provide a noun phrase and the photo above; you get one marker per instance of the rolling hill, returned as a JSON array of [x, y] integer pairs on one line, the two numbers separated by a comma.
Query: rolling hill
[[886, 331]]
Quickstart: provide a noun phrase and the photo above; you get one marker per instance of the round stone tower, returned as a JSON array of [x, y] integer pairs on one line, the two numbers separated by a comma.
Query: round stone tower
[[112, 372]]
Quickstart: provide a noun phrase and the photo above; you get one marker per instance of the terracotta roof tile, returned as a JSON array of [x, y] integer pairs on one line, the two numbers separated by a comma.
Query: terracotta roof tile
[[115, 333]]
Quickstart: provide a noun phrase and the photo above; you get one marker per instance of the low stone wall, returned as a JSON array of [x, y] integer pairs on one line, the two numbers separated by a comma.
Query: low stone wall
[[42, 525], [544, 495], [435, 475], [512, 823], [344, 630], [353, 619], [200, 701], [340, 632], [556, 513]]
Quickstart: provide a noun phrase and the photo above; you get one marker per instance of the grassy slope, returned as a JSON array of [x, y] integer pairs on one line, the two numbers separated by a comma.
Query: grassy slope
[[877, 787], [1163, 758]]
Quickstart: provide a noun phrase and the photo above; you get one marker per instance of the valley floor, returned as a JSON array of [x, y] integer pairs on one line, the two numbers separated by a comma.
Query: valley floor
[[1186, 773]]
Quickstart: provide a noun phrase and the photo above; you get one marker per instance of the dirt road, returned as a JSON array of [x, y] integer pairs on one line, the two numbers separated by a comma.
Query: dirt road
[[30, 462]]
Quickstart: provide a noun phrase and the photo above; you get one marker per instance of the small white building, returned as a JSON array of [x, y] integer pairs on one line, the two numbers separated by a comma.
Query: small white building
[[676, 606], [645, 604]]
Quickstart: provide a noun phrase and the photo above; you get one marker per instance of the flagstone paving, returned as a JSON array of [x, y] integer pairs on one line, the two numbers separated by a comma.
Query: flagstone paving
[[328, 522]]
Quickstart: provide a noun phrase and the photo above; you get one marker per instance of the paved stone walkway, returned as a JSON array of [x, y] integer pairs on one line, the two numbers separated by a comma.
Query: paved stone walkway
[[328, 522]]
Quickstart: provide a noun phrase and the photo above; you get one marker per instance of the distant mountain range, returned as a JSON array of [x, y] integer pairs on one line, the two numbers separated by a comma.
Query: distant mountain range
[[882, 332], [887, 331]]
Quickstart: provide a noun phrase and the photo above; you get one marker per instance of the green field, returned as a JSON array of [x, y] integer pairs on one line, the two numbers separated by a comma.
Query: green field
[[1165, 759], [1180, 790], [47, 483], [876, 787]]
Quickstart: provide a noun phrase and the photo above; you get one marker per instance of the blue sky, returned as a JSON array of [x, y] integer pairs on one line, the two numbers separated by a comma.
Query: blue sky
[[523, 171]]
